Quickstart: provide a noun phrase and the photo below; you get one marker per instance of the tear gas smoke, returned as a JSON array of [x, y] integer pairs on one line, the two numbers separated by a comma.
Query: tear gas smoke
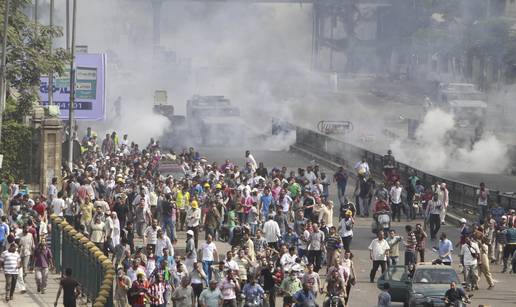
[[435, 151], [257, 55]]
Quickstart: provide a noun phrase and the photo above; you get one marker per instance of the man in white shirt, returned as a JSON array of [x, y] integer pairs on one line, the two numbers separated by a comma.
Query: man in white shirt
[[58, 204], [250, 159], [272, 232], [231, 264], [395, 197], [209, 255], [150, 236], [363, 166], [378, 252], [162, 242], [470, 252], [288, 259], [433, 212]]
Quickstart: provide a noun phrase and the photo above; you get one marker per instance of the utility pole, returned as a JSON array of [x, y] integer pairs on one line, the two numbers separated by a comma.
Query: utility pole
[[36, 17], [51, 72], [3, 79], [67, 28], [72, 88]]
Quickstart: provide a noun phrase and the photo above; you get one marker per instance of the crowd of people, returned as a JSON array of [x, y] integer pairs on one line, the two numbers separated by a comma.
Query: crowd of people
[[278, 225]]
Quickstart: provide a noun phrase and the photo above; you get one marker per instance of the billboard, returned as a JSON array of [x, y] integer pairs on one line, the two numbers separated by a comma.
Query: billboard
[[90, 88]]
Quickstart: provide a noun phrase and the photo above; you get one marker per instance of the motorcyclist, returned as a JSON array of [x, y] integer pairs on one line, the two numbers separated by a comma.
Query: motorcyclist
[[454, 296], [390, 172], [388, 161], [336, 288], [253, 293]]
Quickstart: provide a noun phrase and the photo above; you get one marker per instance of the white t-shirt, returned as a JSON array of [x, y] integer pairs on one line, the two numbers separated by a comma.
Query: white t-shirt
[[343, 231], [207, 251], [395, 194], [288, 260], [231, 265], [378, 249], [467, 251], [58, 206]]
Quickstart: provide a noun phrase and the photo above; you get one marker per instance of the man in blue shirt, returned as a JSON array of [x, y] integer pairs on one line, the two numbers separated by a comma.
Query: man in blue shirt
[[445, 249], [497, 212], [253, 293], [266, 201], [304, 297], [4, 232]]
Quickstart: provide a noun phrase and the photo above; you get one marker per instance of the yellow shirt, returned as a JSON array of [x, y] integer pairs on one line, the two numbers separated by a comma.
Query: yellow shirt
[[182, 200]]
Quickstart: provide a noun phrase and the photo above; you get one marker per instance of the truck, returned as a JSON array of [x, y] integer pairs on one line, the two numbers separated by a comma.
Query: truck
[[210, 121], [213, 120]]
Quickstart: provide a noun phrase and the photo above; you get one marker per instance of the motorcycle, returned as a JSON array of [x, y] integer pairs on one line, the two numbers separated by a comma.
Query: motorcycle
[[333, 301], [382, 221], [417, 205], [255, 302], [345, 207], [465, 300]]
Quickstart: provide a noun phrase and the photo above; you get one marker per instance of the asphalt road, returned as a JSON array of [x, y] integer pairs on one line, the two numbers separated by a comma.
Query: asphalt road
[[365, 293]]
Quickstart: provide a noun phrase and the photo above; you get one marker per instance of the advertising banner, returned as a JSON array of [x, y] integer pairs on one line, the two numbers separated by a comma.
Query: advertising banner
[[90, 88]]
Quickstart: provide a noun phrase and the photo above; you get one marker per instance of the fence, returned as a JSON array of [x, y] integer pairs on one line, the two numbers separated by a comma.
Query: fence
[[462, 195], [90, 267]]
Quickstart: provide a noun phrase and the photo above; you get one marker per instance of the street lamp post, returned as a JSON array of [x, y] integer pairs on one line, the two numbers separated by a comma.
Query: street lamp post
[[67, 28], [51, 73], [72, 88], [3, 81]]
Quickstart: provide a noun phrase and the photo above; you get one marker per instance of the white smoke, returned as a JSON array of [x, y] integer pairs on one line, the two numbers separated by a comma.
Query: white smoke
[[433, 150]]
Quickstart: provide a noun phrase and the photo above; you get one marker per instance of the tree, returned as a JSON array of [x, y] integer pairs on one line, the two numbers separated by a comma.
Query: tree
[[28, 57]]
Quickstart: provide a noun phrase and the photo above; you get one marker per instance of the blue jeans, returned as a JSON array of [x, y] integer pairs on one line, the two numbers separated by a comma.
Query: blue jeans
[[341, 192], [206, 266], [410, 257], [482, 210], [169, 226]]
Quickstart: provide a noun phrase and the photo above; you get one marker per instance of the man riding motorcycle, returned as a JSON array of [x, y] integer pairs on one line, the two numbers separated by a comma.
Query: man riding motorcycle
[[253, 293], [381, 216], [336, 290], [455, 297]]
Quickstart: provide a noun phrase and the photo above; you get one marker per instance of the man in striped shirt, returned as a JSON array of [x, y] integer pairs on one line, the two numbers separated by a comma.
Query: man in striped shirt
[[410, 246], [157, 292], [11, 262]]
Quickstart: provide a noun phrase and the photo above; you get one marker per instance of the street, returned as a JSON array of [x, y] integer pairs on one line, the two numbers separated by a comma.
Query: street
[[365, 293]]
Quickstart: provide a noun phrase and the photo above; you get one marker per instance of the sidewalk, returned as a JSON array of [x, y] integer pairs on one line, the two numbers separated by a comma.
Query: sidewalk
[[32, 297]]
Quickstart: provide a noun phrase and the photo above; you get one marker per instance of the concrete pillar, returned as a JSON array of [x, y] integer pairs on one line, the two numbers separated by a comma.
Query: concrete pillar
[[50, 152], [156, 22]]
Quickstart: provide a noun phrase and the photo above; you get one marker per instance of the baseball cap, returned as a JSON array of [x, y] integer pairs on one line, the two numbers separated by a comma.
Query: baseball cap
[[463, 221], [190, 232]]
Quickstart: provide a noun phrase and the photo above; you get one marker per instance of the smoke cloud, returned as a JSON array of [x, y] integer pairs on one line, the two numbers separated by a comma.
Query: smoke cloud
[[433, 149], [256, 55]]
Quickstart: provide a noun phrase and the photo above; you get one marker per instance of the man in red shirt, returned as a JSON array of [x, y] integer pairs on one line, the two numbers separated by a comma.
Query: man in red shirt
[[41, 207], [381, 206]]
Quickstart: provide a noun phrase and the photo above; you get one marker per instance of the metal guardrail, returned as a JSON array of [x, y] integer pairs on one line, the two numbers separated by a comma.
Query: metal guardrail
[[462, 195], [91, 268]]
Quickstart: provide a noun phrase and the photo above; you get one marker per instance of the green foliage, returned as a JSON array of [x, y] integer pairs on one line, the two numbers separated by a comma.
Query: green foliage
[[17, 148], [28, 55]]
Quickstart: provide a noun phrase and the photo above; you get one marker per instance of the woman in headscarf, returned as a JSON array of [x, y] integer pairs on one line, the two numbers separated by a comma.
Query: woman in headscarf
[[115, 231]]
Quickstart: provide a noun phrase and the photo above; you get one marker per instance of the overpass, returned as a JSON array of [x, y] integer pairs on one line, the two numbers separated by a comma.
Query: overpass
[[326, 16]]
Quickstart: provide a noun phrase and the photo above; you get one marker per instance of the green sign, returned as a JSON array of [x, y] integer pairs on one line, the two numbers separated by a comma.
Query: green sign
[[62, 81], [86, 84]]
